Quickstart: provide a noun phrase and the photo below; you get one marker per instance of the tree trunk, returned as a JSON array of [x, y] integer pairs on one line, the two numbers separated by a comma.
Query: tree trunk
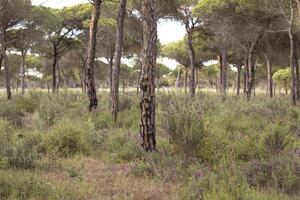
[[6, 68], [293, 64], [91, 51], [54, 69], [238, 80], [223, 72], [252, 63], [296, 68], [147, 86], [186, 80], [109, 74], [178, 79], [270, 73], [22, 72], [191, 52], [117, 60]]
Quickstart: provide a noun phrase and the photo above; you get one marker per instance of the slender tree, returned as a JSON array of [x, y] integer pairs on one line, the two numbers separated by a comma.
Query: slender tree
[[117, 59], [12, 14], [90, 80], [147, 80]]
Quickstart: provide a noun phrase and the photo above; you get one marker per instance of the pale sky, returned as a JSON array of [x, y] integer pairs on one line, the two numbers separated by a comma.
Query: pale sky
[[168, 31]]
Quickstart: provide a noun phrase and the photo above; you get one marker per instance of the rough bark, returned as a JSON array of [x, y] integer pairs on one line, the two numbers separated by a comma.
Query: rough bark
[[91, 51], [270, 74], [147, 85], [117, 60]]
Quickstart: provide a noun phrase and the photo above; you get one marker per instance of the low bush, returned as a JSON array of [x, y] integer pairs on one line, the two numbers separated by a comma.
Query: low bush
[[182, 118], [20, 151], [21, 187], [281, 172], [68, 138], [122, 148]]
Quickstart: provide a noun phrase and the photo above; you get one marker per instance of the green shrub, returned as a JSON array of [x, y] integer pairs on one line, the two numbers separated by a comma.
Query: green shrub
[[102, 120], [225, 182], [11, 112], [68, 138], [17, 186], [125, 103], [183, 121], [281, 172], [122, 148], [26, 152], [19, 151], [276, 141]]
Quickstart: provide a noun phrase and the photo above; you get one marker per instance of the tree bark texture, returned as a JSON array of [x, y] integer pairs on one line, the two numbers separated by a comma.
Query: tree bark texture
[[91, 51], [147, 79]]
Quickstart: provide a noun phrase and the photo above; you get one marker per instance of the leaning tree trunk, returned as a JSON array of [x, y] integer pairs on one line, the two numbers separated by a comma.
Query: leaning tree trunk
[[191, 52], [270, 73], [117, 60], [91, 51], [147, 86]]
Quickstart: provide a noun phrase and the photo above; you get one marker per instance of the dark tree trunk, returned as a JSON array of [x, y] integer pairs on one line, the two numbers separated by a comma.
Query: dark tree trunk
[[223, 72], [117, 60], [109, 74], [147, 86], [191, 52], [270, 74], [238, 80], [294, 64], [252, 63], [22, 72], [54, 69], [296, 68], [6, 68], [91, 51], [246, 71]]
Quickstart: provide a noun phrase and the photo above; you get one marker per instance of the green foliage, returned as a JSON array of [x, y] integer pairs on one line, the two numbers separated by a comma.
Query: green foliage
[[122, 148], [276, 141], [21, 187], [20, 151], [183, 121], [283, 77], [280, 172], [68, 138]]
